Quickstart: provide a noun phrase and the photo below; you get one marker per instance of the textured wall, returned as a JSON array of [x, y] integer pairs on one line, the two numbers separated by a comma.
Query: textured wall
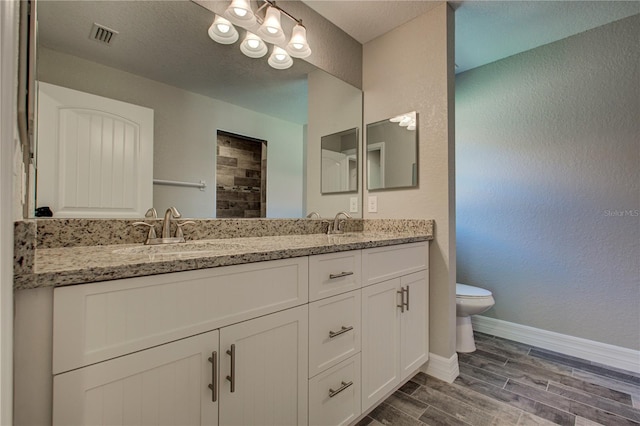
[[548, 184], [185, 126], [411, 68]]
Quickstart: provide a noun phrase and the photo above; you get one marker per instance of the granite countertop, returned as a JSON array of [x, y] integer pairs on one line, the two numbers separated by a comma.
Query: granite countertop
[[74, 265]]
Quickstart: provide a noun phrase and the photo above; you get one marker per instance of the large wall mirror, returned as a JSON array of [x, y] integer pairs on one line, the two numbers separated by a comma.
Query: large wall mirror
[[392, 152], [162, 60], [339, 153]]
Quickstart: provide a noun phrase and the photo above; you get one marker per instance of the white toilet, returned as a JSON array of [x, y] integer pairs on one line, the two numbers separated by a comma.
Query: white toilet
[[469, 301]]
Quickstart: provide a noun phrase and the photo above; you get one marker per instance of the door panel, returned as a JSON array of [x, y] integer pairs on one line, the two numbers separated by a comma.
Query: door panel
[[380, 341], [167, 384], [414, 324], [270, 375]]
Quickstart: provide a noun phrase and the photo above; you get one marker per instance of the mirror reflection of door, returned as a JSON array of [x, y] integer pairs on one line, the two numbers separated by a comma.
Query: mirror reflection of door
[[95, 155], [375, 165], [339, 162], [241, 176]]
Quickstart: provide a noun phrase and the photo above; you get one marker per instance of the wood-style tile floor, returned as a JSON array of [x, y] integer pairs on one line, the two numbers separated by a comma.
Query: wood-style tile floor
[[510, 383]]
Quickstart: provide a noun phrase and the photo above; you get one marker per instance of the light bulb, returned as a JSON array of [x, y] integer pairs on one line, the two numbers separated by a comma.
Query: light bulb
[[253, 43], [224, 28], [240, 12], [272, 30], [253, 46], [297, 46], [280, 59]]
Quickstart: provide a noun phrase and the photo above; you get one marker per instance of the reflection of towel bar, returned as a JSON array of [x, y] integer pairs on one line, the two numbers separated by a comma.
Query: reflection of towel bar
[[202, 185]]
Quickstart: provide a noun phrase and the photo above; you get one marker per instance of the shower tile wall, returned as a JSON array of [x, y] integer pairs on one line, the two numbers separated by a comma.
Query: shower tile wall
[[241, 177]]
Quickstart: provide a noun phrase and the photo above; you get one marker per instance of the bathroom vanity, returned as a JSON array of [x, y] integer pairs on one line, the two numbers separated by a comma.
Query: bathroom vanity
[[313, 330]]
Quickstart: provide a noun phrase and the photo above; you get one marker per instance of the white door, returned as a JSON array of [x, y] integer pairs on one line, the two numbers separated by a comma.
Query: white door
[[168, 384], [413, 328], [380, 340], [335, 171], [269, 370], [95, 155]]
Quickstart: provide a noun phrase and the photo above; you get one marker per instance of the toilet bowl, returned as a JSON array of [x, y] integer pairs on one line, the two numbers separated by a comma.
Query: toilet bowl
[[469, 301]]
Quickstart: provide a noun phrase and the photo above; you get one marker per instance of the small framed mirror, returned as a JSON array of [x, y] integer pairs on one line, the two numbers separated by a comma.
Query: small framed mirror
[[392, 152], [339, 171]]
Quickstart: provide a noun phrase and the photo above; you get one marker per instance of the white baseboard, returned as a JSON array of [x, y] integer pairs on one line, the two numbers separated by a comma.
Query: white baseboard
[[614, 356], [442, 368]]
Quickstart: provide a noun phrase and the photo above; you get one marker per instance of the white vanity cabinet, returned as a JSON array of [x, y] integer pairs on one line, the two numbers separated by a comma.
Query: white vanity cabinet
[[312, 340], [133, 351], [394, 318]]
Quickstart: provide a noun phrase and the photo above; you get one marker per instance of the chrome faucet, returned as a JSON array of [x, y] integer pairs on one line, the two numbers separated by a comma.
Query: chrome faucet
[[337, 223], [313, 215], [171, 212]]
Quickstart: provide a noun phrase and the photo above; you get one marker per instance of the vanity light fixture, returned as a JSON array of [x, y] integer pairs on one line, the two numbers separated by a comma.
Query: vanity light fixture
[[261, 29], [222, 31]]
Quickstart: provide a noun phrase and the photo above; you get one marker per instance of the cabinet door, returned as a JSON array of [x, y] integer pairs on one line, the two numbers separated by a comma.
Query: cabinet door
[[414, 323], [269, 372], [380, 340], [168, 384]]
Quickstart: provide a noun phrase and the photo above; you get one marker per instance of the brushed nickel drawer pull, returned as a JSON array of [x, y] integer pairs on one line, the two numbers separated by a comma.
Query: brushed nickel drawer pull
[[343, 330], [407, 298], [232, 377], [340, 275], [401, 305], [213, 359], [333, 393]]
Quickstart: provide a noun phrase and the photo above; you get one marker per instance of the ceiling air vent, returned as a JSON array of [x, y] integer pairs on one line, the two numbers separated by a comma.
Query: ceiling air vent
[[102, 34]]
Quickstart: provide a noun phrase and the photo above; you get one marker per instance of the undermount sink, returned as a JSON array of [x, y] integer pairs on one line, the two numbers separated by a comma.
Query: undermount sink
[[180, 248]]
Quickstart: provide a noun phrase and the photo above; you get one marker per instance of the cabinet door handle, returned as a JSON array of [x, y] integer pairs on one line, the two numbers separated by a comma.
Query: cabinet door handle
[[401, 293], [340, 275], [333, 393], [343, 330], [407, 298], [213, 359], [232, 377]]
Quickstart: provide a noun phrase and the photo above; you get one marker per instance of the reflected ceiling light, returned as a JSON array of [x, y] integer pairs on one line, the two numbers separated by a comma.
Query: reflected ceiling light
[[405, 120], [280, 59], [222, 31], [239, 12], [271, 29], [253, 46], [298, 46], [263, 26]]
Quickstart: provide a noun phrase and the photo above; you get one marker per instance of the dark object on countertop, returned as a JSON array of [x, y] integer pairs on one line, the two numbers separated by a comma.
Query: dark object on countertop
[[44, 212]]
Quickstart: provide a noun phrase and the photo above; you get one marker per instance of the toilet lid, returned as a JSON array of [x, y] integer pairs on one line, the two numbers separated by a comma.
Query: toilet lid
[[470, 291]]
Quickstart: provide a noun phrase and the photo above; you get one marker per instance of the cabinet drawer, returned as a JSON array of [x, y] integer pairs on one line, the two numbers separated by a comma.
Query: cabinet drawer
[[334, 396], [95, 322], [334, 273], [334, 330], [384, 263]]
